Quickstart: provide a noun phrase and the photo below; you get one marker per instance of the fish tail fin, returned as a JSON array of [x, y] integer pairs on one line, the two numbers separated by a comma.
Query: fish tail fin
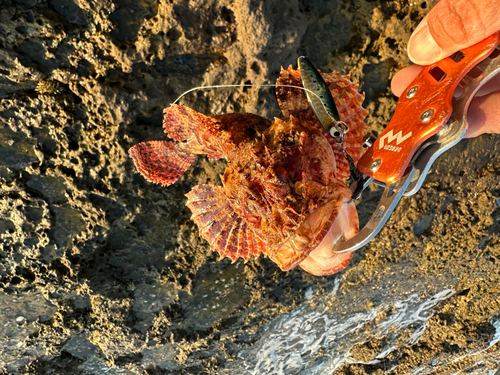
[[161, 162], [227, 233]]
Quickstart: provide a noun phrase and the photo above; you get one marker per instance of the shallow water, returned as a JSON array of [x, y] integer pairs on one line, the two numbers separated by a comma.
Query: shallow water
[[318, 337]]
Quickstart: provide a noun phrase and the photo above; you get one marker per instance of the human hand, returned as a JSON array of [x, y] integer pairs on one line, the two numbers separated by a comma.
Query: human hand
[[452, 25]]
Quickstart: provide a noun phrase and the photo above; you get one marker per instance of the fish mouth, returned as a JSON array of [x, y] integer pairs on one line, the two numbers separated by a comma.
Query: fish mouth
[[321, 261], [309, 245]]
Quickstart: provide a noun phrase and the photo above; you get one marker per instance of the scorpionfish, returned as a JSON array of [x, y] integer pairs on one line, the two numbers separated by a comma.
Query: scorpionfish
[[284, 190]]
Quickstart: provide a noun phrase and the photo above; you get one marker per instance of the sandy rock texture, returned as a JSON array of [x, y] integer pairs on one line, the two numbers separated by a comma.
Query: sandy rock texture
[[102, 272]]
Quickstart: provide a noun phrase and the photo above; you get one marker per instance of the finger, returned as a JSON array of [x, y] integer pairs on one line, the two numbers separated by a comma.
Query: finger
[[403, 78], [484, 115], [452, 25]]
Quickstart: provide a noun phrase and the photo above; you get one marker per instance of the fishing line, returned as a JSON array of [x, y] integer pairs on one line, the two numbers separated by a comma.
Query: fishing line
[[244, 85]]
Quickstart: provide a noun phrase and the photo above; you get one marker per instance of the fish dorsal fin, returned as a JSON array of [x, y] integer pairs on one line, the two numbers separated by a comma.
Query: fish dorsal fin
[[293, 102], [227, 233], [292, 99]]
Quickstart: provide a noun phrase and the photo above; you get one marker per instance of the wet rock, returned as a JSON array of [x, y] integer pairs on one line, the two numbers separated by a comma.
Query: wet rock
[[423, 224], [71, 12], [52, 189], [6, 226], [372, 82], [188, 63], [81, 303], [64, 49], [119, 239], [9, 88], [30, 17], [47, 143], [215, 298], [331, 28], [137, 261], [129, 17], [6, 175], [115, 79], [69, 223], [18, 320], [22, 29], [31, 242], [95, 366], [80, 347], [33, 214], [149, 300], [27, 3], [162, 357], [31, 306], [155, 227], [51, 252], [17, 151], [32, 53], [115, 211]]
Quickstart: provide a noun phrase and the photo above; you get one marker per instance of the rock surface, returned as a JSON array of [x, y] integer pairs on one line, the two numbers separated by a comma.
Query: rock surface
[[103, 272]]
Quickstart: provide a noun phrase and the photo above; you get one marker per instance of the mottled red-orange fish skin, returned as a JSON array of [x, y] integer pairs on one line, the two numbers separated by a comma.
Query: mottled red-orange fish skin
[[283, 186], [275, 182]]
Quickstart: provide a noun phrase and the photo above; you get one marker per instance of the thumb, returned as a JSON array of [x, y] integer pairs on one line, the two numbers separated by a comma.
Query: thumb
[[452, 25], [484, 115]]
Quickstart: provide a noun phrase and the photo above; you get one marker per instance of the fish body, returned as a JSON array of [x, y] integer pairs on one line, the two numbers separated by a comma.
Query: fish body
[[283, 192]]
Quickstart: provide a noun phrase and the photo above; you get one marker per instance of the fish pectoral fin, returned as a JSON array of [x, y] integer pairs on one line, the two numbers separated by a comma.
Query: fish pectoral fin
[[161, 162], [227, 233]]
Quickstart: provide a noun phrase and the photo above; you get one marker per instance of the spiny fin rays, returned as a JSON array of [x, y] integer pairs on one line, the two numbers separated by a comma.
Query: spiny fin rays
[[227, 233]]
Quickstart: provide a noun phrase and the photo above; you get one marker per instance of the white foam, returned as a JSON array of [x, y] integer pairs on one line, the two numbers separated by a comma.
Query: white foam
[[496, 336], [318, 340]]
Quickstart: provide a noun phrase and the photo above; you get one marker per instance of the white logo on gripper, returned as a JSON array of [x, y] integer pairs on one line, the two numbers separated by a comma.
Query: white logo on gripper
[[391, 137]]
